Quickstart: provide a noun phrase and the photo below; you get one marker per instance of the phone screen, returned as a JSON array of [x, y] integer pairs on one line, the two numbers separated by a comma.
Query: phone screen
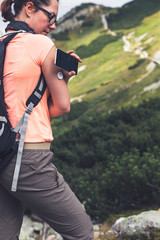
[[66, 61]]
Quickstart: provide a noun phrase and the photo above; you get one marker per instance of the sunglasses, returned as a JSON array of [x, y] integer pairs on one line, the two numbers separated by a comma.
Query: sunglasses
[[51, 16]]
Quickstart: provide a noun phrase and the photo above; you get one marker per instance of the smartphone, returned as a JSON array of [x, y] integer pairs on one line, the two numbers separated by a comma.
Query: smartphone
[[66, 61]]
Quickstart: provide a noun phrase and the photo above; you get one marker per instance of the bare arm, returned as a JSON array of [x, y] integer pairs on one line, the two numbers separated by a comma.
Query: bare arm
[[60, 100]]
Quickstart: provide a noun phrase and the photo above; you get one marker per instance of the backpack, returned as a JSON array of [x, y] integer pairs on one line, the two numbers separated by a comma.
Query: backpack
[[12, 139]]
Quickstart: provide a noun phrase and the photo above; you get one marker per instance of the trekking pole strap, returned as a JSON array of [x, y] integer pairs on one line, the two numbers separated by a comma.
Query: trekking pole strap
[[20, 148]]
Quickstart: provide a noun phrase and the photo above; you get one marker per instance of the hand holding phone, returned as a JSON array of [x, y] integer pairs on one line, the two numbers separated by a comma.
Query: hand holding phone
[[66, 61]]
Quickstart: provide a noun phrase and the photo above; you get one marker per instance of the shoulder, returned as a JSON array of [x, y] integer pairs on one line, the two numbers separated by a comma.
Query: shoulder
[[38, 38]]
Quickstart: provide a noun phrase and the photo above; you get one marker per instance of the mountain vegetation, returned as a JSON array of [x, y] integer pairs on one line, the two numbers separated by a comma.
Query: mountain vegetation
[[108, 146]]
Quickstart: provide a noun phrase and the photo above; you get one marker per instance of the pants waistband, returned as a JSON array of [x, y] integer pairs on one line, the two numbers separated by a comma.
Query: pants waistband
[[42, 145]]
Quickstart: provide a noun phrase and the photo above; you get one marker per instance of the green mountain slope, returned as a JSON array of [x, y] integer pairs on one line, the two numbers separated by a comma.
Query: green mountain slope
[[111, 77], [108, 146], [132, 14]]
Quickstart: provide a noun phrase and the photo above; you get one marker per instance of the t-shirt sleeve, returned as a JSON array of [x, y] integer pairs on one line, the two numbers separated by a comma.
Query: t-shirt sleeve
[[39, 47]]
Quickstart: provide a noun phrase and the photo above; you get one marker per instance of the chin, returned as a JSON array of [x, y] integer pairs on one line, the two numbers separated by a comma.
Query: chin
[[44, 33]]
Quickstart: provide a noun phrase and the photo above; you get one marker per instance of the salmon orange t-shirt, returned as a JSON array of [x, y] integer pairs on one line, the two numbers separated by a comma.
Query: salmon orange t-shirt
[[24, 57]]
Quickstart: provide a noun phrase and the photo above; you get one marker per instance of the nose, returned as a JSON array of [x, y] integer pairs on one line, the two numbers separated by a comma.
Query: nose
[[53, 26]]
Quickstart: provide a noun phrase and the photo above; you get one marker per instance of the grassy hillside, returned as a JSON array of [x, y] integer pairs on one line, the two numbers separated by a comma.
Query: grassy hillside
[[113, 78], [132, 14], [108, 146]]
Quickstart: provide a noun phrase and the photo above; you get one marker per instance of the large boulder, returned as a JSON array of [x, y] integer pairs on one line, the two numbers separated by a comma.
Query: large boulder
[[136, 224]]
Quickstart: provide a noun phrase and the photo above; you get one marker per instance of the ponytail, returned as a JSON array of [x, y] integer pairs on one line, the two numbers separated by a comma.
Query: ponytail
[[7, 10]]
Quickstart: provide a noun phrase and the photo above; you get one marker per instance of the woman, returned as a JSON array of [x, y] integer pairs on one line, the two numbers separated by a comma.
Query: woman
[[40, 187]]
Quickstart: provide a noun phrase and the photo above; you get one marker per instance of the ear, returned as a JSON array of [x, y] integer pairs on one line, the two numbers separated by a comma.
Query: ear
[[30, 8]]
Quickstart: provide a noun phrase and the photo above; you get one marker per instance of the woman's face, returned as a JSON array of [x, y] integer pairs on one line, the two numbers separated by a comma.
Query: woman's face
[[40, 21]]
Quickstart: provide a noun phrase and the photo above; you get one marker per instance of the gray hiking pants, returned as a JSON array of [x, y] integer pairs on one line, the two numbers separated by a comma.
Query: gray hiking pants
[[43, 190]]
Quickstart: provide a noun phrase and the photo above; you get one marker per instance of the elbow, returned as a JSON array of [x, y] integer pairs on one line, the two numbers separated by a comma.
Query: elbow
[[59, 109], [66, 109]]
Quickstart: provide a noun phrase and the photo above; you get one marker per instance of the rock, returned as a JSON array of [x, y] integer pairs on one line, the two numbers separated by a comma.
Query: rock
[[30, 230], [96, 228], [54, 237], [109, 232], [51, 237], [97, 232], [74, 19], [96, 235], [156, 57], [33, 228], [137, 223]]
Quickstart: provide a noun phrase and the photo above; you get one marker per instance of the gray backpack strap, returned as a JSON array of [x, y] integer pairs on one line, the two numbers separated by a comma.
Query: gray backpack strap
[[24, 121], [32, 101], [12, 33]]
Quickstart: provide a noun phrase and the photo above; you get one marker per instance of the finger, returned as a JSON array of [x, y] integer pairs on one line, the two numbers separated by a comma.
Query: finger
[[76, 56], [72, 73], [68, 75], [70, 51]]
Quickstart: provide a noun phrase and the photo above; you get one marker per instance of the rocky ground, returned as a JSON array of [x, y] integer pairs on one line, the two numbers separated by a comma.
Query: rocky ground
[[34, 229]]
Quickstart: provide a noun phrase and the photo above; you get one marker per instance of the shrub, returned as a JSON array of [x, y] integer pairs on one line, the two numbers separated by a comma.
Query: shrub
[[112, 161], [95, 46]]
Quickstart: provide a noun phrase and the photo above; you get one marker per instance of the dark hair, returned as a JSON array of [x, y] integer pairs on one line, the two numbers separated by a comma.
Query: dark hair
[[6, 8]]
